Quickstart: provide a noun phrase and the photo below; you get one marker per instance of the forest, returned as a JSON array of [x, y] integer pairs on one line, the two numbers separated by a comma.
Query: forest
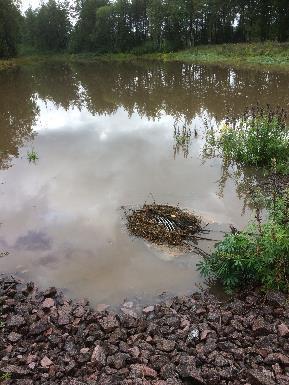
[[139, 26]]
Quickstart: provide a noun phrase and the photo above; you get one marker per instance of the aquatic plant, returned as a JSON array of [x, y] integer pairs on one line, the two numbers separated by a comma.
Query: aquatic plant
[[182, 140], [32, 155], [254, 139], [258, 255]]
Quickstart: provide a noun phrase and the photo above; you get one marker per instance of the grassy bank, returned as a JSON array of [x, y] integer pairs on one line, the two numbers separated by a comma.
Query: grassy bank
[[269, 54], [32, 59], [266, 54]]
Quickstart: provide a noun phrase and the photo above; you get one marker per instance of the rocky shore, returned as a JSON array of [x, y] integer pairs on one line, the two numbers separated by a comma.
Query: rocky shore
[[48, 339]]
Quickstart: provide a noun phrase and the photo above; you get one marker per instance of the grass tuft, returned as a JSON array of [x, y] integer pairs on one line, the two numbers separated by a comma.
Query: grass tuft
[[32, 156]]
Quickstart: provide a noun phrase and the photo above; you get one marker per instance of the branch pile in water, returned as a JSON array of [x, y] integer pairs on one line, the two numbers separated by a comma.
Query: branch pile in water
[[163, 224]]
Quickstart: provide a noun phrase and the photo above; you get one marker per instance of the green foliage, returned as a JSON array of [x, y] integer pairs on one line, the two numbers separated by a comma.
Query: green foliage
[[48, 27], [147, 47], [9, 28], [258, 255], [254, 139], [32, 155], [84, 37], [143, 26]]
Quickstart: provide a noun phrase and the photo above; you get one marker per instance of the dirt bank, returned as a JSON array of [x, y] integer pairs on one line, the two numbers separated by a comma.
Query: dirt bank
[[48, 339]]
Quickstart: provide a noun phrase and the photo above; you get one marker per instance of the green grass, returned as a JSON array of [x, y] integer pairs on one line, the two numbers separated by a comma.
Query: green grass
[[32, 155], [268, 55]]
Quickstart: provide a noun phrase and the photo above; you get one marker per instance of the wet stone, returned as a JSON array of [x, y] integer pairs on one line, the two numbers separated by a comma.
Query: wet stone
[[257, 377], [283, 330], [148, 309], [63, 318], [39, 327], [48, 303], [98, 356], [15, 321], [165, 345], [108, 323], [109, 348], [14, 337], [141, 371], [259, 327], [46, 362]]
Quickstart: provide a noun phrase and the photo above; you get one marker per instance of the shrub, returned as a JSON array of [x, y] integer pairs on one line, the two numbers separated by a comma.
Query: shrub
[[253, 139], [258, 255]]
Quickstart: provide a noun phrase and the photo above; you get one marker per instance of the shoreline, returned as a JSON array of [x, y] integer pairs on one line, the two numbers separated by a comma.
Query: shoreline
[[266, 56], [49, 339]]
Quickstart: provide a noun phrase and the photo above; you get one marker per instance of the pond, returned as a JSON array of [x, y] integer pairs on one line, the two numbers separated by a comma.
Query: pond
[[104, 135]]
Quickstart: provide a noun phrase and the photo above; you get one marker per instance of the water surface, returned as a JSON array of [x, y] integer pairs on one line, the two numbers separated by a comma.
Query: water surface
[[104, 136]]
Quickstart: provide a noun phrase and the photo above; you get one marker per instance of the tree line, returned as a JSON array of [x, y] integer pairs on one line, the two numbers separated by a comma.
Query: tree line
[[139, 26]]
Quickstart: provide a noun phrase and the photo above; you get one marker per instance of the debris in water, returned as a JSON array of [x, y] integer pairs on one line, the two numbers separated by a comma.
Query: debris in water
[[164, 224]]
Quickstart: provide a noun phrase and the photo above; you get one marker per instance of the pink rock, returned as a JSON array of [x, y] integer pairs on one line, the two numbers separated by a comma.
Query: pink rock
[[48, 303], [63, 318], [46, 362], [204, 334], [93, 377], [283, 330], [32, 365], [108, 323], [259, 327], [31, 358], [84, 350], [98, 355], [165, 345], [79, 311], [185, 324], [143, 371], [76, 321], [134, 352], [129, 312], [14, 337], [148, 309], [277, 369], [277, 358]]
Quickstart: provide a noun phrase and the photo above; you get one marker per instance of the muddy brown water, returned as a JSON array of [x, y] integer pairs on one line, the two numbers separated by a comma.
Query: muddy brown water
[[104, 136]]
